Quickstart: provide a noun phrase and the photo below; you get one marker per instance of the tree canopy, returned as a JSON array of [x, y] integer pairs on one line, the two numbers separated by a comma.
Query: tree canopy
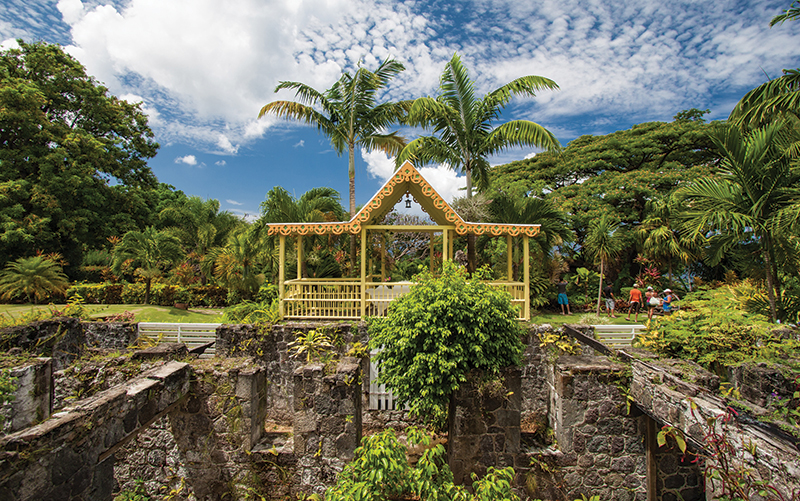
[[69, 151]]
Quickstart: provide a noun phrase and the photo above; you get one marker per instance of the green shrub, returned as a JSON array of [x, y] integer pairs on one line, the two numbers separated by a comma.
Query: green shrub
[[250, 312], [380, 470], [444, 328], [713, 329]]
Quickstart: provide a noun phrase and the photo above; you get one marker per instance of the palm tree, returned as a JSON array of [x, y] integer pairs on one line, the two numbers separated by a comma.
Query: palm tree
[[200, 227], [34, 277], [237, 265], [660, 234], [349, 115], [755, 199], [315, 205], [150, 251], [603, 243], [463, 137]]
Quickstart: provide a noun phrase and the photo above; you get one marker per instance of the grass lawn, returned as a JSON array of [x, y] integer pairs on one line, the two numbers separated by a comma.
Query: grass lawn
[[142, 313], [590, 318]]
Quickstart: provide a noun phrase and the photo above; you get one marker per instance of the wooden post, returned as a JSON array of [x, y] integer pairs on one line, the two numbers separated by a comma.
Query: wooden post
[[383, 256], [526, 314], [363, 272], [281, 274], [651, 446], [509, 251], [299, 257], [430, 249], [445, 246], [450, 249]]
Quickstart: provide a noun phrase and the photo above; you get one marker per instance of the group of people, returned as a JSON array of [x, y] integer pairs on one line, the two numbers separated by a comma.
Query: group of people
[[651, 300]]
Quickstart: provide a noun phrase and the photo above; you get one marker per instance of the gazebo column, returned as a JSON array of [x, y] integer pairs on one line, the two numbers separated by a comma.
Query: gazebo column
[[363, 272], [299, 257], [383, 256], [430, 249], [510, 252], [450, 247], [527, 272], [281, 273], [445, 246]]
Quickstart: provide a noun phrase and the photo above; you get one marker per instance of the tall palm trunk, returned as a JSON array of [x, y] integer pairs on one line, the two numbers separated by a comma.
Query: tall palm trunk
[[472, 263], [770, 285], [351, 151]]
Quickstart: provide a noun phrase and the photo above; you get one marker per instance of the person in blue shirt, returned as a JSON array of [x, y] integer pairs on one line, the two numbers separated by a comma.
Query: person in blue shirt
[[563, 300]]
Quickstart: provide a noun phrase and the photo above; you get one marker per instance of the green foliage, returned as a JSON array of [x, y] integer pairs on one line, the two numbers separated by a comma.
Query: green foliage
[[64, 141], [8, 385], [35, 278], [348, 113], [310, 344], [250, 312], [381, 471], [713, 328], [138, 493], [441, 330], [161, 294]]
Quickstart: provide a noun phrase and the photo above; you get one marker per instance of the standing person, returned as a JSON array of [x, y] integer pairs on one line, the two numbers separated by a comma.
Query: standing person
[[652, 301], [608, 294], [635, 300], [562, 296], [668, 299]]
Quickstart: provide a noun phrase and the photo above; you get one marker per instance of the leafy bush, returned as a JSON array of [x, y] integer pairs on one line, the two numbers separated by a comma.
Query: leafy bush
[[380, 470], [161, 294], [713, 328], [441, 330], [250, 312]]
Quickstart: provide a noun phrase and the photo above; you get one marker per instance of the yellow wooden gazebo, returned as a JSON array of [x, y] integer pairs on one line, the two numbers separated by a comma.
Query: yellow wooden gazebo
[[356, 298]]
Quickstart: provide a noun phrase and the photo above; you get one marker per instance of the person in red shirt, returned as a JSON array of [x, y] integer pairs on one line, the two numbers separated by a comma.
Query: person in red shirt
[[635, 300]]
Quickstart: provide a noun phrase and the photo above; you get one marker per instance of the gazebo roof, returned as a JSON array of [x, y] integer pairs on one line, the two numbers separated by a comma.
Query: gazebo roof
[[406, 179]]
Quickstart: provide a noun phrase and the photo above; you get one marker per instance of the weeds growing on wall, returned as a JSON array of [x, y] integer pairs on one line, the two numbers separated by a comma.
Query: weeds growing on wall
[[730, 467], [380, 470]]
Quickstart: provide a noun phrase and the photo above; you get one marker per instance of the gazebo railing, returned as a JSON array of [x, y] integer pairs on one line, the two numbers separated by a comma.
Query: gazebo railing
[[340, 298]]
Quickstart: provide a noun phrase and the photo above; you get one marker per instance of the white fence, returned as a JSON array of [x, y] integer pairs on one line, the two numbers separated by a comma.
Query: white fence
[[617, 336], [193, 335], [380, 397]]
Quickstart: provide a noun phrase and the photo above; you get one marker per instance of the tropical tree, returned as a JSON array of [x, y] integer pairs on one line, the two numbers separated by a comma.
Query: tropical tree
[[200, 227], [34, 277], [315, 205], [463, 137], [660, 236], [238, 264], [150, 251], [69, 152], [603, 243], [756, 198], [348, 113]]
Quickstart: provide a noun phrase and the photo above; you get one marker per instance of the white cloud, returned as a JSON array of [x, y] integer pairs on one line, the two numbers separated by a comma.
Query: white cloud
[[234, 202], [188, 160], [202, 66], [221, 163], [444, 180], [9, 44], [226, 146], [299, 144]]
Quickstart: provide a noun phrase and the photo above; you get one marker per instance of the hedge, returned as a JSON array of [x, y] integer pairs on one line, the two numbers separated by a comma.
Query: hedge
[[160, 294]]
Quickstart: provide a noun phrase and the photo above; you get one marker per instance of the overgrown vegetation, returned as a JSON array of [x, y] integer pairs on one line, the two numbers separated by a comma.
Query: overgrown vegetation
[[714, 329], [445, 327], [381, 471]]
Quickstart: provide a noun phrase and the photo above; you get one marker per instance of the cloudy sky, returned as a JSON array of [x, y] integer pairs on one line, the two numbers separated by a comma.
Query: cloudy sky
[[204, 68]]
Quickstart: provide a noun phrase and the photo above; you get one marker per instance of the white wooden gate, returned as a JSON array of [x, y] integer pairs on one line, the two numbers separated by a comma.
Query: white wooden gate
[[193, 335], [380, 397]]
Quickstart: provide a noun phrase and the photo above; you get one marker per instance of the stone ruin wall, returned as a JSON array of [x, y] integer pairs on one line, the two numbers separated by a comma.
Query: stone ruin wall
[[214, 440]]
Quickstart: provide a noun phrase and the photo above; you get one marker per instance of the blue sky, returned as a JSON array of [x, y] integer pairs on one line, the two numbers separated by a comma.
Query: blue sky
[[204, 68]]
